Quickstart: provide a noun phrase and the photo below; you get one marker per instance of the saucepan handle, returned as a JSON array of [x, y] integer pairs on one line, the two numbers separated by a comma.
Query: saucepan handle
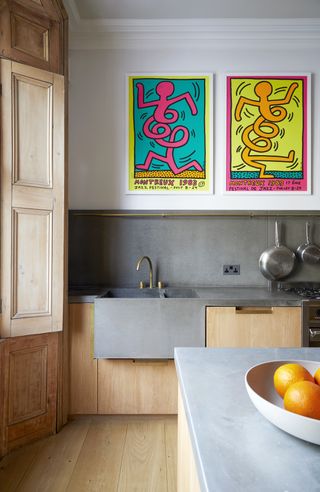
[[308, 230], [276, 233]]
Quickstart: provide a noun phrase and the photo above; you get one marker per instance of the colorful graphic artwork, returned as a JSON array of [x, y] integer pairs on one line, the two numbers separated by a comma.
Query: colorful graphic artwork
[[267, 134], [169, 133]]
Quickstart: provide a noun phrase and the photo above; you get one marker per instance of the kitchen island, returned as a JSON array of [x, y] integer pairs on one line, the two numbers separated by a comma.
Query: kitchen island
[[233, 447]]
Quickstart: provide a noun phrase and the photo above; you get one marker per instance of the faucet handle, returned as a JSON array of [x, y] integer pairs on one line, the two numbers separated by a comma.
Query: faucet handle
[[160, 285]]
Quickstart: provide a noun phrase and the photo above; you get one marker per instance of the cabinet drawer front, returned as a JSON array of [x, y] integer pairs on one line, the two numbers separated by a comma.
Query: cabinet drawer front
[[253, 326]]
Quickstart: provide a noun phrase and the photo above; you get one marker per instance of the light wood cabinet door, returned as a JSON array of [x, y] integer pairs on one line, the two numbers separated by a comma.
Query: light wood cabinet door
[[106, 386], [253, 327], [137, 387], [32, 212], [83, 367]]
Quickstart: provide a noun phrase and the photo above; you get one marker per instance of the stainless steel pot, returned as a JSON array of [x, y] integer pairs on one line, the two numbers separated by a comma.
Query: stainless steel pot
[[308, 252], [277, 261]]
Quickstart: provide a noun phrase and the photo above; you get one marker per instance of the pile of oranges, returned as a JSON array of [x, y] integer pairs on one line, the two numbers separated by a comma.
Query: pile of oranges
[[299, 389]]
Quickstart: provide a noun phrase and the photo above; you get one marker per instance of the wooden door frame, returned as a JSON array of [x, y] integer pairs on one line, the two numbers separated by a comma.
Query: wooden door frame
[[63, 347], [3, 383]]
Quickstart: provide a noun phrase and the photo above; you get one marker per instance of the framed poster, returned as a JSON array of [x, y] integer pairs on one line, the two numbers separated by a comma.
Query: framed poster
[[268, 133], [169, 133]]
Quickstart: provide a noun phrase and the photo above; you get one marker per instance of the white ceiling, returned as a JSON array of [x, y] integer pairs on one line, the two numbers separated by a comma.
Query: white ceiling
[[188, 9]]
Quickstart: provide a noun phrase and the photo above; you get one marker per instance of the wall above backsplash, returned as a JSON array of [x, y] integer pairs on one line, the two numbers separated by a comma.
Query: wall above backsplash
[[186, 249], [99, 64]]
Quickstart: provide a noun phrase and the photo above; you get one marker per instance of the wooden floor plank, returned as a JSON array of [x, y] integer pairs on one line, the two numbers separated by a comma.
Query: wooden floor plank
[[171, 452], [99, 462], [52, 469], [144, 465], [14, 466], [98, 454]]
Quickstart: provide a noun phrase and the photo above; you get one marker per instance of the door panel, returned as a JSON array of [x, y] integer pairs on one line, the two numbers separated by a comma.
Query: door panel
[[34, 32], [27, 384], [31, 283], [30, 388], [32, 213], [32, 136], [30, 37]]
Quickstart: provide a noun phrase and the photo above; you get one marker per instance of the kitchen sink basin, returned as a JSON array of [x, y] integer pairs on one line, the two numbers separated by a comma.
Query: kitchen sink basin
[[180, 293], [128, 293], [132, 323], [135, 293]]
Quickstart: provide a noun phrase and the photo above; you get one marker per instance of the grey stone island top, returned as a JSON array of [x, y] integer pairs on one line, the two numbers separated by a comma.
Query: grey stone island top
[[234, 446], [206, 296]]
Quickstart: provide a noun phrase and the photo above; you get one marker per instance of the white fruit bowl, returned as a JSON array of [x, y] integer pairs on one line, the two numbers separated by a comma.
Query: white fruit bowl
[[259, 385]]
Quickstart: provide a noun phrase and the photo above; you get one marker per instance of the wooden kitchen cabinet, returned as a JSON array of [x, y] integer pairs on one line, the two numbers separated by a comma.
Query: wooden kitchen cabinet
[[83, 367], [253, 327], [137, 387], [105, 386]]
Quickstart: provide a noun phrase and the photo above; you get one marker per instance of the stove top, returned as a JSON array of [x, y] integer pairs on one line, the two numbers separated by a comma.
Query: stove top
[[308, 290]]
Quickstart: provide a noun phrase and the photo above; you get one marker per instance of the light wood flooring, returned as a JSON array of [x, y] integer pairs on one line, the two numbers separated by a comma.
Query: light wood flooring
[[98, 453]]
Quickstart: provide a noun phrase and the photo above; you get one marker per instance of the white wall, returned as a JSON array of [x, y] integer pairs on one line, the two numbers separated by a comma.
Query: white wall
[[98, 67]]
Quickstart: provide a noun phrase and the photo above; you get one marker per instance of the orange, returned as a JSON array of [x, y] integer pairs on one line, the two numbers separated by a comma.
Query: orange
[[288, 374], [303, 398], [317, 376]]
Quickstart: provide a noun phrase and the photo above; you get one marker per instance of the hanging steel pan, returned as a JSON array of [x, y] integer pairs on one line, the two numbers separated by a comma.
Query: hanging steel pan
[[278, 261], [308, 251]]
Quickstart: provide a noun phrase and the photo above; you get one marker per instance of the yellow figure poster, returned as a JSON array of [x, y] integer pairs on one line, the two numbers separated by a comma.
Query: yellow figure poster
[[267, 133], [169, 133]]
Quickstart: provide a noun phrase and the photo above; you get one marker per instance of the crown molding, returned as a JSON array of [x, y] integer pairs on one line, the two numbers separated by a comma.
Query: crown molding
[[196, 25], [159, 33]]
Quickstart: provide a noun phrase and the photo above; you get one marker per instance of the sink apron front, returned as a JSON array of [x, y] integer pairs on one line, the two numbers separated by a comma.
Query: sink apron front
[[146, 328]]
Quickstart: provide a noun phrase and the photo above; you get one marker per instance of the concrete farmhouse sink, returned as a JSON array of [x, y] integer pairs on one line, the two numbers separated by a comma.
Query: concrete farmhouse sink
[[146, 323], [132, 293]]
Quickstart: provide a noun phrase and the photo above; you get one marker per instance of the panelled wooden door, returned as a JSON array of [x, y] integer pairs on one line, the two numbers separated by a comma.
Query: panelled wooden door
[[32, 202]]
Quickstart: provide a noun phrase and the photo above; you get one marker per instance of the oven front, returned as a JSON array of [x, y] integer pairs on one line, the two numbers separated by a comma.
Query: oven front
[[311, 323]]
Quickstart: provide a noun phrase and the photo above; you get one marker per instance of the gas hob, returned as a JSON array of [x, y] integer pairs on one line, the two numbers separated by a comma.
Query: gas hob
[[307, 290]]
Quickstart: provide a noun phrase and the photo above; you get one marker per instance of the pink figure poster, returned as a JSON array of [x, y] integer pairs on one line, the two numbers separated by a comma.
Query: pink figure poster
[[268, 133], [169, 133]]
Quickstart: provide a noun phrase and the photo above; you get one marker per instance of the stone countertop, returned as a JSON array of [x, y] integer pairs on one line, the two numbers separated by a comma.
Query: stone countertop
[[234, 446], [209, 296], [84, 293], [246, 296]]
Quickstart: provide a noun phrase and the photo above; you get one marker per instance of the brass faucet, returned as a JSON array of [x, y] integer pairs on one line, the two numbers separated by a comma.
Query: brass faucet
[[150, 269]]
